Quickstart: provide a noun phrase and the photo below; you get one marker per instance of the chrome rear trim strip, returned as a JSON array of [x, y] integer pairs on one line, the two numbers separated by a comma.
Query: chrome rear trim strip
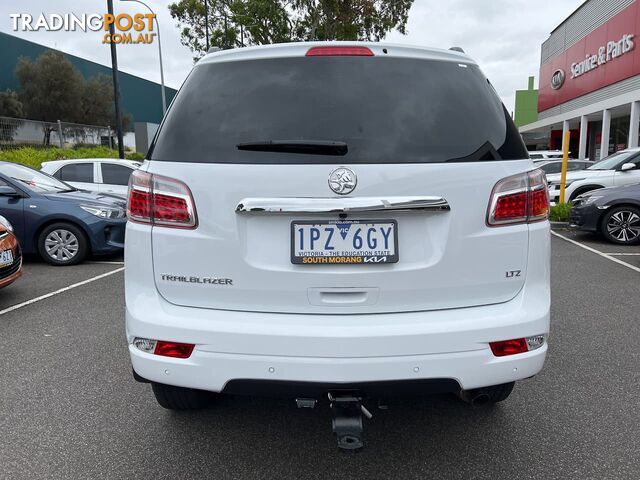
[[341, 205]]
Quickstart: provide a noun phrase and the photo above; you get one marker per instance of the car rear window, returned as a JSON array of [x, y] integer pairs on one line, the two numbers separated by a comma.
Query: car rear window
[[387, 110]]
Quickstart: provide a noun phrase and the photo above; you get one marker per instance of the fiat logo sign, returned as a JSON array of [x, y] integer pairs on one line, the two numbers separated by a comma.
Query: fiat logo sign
[[557, 79]]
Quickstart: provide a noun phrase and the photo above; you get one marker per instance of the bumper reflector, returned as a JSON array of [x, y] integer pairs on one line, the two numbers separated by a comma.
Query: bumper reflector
[[518, 345], [165, 349], [173, 349]]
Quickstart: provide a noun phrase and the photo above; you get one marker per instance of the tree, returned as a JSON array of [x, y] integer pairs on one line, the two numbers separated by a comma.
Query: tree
[[97, 103], [350, 20], [50, 89], [53, 89], [236, 23], [10, 106]]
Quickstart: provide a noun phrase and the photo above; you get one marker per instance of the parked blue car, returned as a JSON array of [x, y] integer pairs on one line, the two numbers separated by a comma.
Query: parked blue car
[[57, 221]]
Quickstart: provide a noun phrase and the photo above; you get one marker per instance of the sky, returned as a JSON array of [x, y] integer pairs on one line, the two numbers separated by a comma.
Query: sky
[[503, 36]]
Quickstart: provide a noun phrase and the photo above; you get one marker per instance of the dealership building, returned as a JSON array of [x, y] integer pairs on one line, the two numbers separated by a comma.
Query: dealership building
[[589, 81]]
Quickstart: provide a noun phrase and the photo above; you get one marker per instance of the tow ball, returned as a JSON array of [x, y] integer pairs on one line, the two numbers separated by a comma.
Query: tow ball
[[347, 425]]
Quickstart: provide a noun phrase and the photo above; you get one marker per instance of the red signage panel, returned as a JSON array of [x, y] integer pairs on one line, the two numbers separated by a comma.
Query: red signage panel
[[607, 55]]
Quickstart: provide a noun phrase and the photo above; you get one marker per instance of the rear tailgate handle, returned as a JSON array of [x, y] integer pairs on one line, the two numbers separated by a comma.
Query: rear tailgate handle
[[341, 205], [343, 297]]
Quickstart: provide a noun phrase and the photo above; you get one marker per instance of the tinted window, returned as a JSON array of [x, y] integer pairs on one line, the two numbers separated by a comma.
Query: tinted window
[[554, 167], [573, 166], [76, 172], [115, 174], [535, 156], [387, 110]]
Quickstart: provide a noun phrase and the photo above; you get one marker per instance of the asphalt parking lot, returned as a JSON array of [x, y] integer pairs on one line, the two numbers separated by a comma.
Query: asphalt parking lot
[[70, 409]]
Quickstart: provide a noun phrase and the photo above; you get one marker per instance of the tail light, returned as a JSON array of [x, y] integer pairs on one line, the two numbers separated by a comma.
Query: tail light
[[342, 51], [160, 201], [521, 198]]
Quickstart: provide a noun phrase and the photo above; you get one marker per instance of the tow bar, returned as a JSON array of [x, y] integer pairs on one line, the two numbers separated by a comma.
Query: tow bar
[[347, 425]]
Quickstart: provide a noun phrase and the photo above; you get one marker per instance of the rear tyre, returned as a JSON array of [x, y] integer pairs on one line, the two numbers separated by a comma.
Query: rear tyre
[[62, 244], [621, 225], [179, 398]]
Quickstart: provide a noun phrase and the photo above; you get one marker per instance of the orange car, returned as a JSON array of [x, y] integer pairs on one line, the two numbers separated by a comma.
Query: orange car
[[10, 254]]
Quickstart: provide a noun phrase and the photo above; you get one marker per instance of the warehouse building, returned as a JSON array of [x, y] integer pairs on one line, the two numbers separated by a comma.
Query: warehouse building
[[589, 81]]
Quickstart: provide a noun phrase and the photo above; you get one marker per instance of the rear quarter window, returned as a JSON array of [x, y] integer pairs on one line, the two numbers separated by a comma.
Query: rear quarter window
[[386, 109]]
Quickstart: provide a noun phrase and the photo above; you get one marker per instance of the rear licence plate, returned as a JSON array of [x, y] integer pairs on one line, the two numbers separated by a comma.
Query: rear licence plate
[[6, 258], [344, 242]]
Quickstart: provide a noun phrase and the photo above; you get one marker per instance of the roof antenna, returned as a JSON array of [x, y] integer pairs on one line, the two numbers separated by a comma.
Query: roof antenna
[[457, 49]]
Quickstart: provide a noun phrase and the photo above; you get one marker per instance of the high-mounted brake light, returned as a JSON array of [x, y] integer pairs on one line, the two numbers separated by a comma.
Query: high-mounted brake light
[[521, 198], [160, 201], [339, 52]]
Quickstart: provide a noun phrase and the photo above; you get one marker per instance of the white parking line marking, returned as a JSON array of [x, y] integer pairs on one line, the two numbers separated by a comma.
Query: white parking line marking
[[624, 254], [598, 252], [62, 290], [104, 263]]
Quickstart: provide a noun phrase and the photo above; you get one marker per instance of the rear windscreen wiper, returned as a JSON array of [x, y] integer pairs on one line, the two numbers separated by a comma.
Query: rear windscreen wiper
[[310, 147]]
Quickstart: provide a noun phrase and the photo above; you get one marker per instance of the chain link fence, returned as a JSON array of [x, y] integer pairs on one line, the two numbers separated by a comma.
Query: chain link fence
[[17, 132]]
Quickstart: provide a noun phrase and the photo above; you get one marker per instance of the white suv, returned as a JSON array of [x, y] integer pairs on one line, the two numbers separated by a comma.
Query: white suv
[[620, 168], [341, 220]]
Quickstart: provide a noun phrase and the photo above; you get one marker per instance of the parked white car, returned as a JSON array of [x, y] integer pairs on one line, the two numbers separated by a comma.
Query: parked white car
[[537, 155], [620, 168], [363, 219], [104, 175]]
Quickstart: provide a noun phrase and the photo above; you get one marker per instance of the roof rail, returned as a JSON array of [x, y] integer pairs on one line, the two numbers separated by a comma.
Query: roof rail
[[457, 49]]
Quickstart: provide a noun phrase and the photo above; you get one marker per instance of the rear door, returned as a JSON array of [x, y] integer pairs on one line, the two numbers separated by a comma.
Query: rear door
[[426, 141], [80, 175]]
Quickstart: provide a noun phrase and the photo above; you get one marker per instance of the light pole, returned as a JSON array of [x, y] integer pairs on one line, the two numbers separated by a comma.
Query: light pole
[[206, 22], [164, 97], [116, 84]]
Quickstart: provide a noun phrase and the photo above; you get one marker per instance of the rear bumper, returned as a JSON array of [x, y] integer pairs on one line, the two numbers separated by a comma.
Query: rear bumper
[[233, 373], [251, 348], [337, 349]]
